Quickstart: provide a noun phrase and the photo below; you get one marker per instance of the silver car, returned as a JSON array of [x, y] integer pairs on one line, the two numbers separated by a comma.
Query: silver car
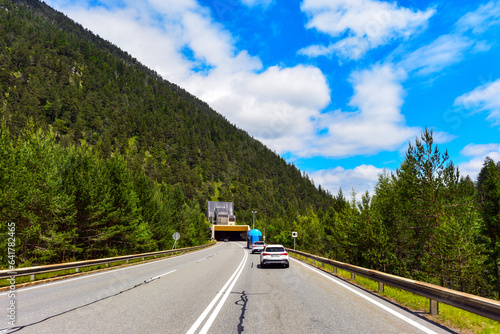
[[274, 254], [258, 246]]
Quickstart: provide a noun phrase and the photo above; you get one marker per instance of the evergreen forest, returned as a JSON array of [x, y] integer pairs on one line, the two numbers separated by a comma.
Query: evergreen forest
[[100, 156]]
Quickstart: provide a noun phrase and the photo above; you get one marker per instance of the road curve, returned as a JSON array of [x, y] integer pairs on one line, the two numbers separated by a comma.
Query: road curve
[[221, 289]]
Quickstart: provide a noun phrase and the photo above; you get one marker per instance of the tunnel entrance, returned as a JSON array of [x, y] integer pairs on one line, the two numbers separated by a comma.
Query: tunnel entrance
[[230, 232]]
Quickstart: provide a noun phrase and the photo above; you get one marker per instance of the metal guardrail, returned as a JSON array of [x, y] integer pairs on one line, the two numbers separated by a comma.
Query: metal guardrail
[[485, 307], [8, 273]]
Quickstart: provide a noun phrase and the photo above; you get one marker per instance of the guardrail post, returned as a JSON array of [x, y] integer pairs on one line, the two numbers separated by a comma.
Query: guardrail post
[[334, 269], [380, 287], [353, 276], [77, 270], [32, 277], [434, 306]]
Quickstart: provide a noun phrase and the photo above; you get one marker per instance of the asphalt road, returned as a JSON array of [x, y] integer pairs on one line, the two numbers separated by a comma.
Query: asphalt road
[[221, 289]]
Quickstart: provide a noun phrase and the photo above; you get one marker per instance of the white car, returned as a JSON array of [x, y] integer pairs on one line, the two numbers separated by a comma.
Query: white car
[[258, 246], [274, 254]]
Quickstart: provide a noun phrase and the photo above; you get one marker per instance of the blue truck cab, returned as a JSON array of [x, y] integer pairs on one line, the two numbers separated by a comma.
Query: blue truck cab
[[253, 236]]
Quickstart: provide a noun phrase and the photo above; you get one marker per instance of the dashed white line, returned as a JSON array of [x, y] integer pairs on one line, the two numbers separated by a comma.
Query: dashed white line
[[90, 275], [156, 277]]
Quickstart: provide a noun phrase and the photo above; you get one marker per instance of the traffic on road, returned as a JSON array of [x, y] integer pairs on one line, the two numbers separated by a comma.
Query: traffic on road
[[222, 289]]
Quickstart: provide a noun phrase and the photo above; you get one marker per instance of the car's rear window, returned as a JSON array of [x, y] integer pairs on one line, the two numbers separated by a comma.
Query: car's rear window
[[259, 243], [275, 249]]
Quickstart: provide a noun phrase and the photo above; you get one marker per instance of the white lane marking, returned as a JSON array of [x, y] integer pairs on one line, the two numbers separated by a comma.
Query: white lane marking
[[202, 317], [210, 320], [206, 258], [44, 285], [156, 277], [397, 314]]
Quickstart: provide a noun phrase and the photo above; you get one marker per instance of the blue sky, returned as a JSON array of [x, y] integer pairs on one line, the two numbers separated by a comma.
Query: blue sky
[[337, 87]]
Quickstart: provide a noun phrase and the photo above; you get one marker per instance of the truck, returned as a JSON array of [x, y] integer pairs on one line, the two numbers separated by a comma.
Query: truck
[[253, 236]]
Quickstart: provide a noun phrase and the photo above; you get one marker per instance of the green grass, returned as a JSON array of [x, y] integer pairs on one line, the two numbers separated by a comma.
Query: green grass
[[448, 315], [466, 320]]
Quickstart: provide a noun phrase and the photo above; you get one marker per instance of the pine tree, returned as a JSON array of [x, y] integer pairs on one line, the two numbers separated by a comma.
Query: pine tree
[[488, 192]]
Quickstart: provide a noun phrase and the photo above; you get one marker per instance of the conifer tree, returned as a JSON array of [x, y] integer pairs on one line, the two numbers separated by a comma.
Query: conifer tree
[[488, 192]]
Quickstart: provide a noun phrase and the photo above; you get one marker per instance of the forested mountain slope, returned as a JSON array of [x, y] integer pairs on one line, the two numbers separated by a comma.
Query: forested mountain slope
[[62, 76]]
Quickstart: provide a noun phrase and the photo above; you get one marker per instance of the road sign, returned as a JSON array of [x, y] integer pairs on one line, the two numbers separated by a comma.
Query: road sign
[[294, 235], [176, 236]]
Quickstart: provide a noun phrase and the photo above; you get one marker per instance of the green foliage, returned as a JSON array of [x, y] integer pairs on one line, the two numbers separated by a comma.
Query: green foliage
[[422, 223], [33, 196], [488, 196], [71, 203]]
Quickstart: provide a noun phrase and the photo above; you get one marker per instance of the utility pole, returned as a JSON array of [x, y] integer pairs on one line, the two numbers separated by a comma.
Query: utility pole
[[254, 212]]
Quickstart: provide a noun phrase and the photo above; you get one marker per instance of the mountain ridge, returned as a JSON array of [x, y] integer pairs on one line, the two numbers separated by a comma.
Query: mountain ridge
[[67, 80]]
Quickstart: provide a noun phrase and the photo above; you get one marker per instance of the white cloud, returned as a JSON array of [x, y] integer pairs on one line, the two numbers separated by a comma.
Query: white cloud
[[441, 137], [281, 107], [376, 125], [276, 106], [442, 52], [477, 153], [480, 20], [130, 28], [287, 84], [452, 48], [362, 178], [481, 46], [317, 50], [367, 24], [254, 3], [480, 150], [485, 97], [213, 45]]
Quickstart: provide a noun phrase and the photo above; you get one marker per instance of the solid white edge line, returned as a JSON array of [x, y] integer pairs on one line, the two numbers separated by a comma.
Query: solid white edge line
[[210, 320], [202, 317], [397, 314], [90, 275]]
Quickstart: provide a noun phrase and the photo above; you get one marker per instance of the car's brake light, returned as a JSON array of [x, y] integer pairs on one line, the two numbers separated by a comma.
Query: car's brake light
[[264, 254], [284, 254]]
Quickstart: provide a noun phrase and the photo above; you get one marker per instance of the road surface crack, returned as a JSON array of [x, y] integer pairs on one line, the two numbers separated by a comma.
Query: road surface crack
[[243, 303]]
